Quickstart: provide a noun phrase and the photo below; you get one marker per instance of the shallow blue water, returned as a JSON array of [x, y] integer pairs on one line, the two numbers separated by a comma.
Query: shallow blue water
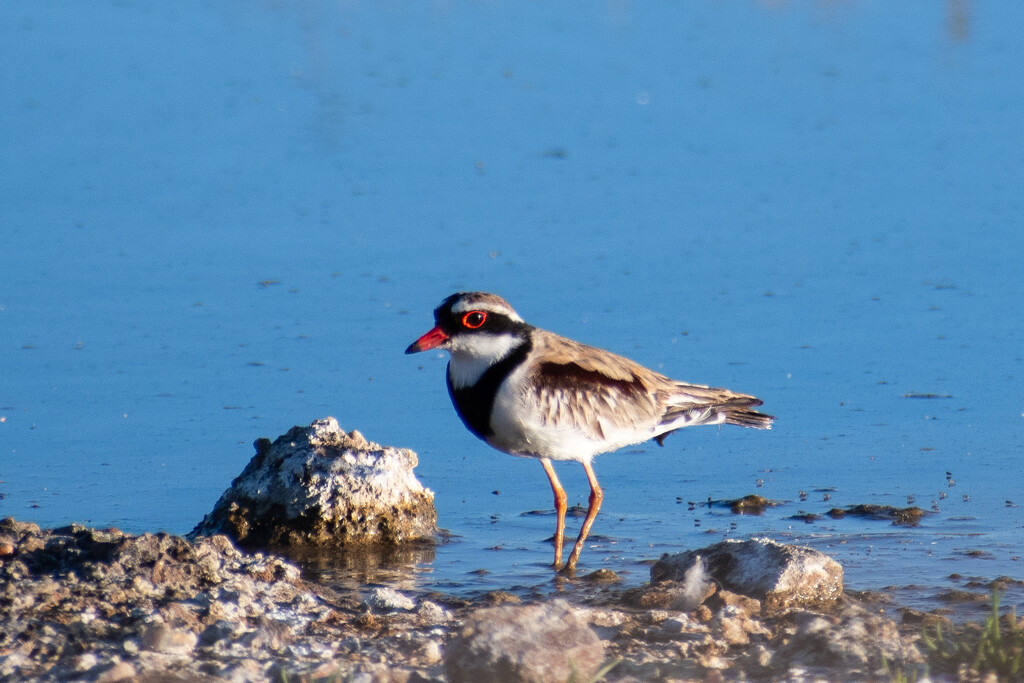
[[217, 222]]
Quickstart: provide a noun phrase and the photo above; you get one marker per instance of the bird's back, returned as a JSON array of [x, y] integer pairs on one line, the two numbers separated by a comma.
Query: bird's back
[[575, 401]]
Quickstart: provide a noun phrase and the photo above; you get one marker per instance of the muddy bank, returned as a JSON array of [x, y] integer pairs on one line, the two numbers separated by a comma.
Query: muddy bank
[[103, 605]]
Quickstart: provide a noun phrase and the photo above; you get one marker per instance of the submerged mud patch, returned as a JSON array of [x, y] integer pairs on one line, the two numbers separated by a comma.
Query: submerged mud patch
[[908, 516]]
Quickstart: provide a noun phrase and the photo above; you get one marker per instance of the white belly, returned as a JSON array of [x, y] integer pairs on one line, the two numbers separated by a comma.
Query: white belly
[[518, 428]]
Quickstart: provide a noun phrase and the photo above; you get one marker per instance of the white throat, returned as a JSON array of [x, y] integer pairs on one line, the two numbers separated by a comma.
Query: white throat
[[472, 357]]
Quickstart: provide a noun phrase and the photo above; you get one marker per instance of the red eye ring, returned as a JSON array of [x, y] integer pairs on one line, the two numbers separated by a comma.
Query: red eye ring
[[474, 319]]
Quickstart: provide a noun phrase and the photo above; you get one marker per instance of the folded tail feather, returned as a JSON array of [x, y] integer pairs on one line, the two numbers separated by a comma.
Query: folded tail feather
[[744, 417], [737, 411]]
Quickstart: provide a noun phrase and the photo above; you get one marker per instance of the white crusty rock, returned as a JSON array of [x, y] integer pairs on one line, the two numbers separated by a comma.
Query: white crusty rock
[[524, 644], [386, 599], [780, 576], [317, 486]]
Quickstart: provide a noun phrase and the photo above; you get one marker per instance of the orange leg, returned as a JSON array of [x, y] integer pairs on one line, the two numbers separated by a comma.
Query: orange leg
[[561, 504], [596, 496]]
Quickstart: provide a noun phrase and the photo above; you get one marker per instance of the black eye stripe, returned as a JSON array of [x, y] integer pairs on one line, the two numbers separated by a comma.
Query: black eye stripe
[[474, 319], [496, 322]]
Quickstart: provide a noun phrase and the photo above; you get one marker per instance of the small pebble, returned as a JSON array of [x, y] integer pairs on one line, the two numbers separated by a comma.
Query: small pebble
[[84, 662], [389, 600], [120, 671], [168, 640]]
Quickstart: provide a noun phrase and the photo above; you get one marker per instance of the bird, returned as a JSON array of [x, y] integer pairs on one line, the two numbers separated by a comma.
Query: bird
[[533, 393]]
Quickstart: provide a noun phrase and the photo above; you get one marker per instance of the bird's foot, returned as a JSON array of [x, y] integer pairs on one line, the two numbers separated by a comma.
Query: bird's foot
[[568, 571]]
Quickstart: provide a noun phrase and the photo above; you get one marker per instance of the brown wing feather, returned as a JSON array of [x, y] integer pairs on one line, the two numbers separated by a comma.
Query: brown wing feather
[[593, 390], [589, 387]]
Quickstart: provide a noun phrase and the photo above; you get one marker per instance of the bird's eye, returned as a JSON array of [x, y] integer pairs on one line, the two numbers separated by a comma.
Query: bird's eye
[[474, 319]]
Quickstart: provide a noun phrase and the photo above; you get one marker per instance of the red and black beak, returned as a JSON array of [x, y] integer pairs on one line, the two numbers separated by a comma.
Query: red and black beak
[[431, 340]]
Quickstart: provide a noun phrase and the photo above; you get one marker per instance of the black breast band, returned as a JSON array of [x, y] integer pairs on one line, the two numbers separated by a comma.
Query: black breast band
[[474, 403]]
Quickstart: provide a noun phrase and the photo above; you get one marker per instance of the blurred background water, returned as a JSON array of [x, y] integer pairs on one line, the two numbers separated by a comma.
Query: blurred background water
[[218, 220]]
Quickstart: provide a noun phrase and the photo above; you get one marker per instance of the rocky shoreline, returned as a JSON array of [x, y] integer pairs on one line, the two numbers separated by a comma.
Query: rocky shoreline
[[102, 605]]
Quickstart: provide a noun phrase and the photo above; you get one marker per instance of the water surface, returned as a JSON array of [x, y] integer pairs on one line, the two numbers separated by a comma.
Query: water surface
[[219, 221]]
